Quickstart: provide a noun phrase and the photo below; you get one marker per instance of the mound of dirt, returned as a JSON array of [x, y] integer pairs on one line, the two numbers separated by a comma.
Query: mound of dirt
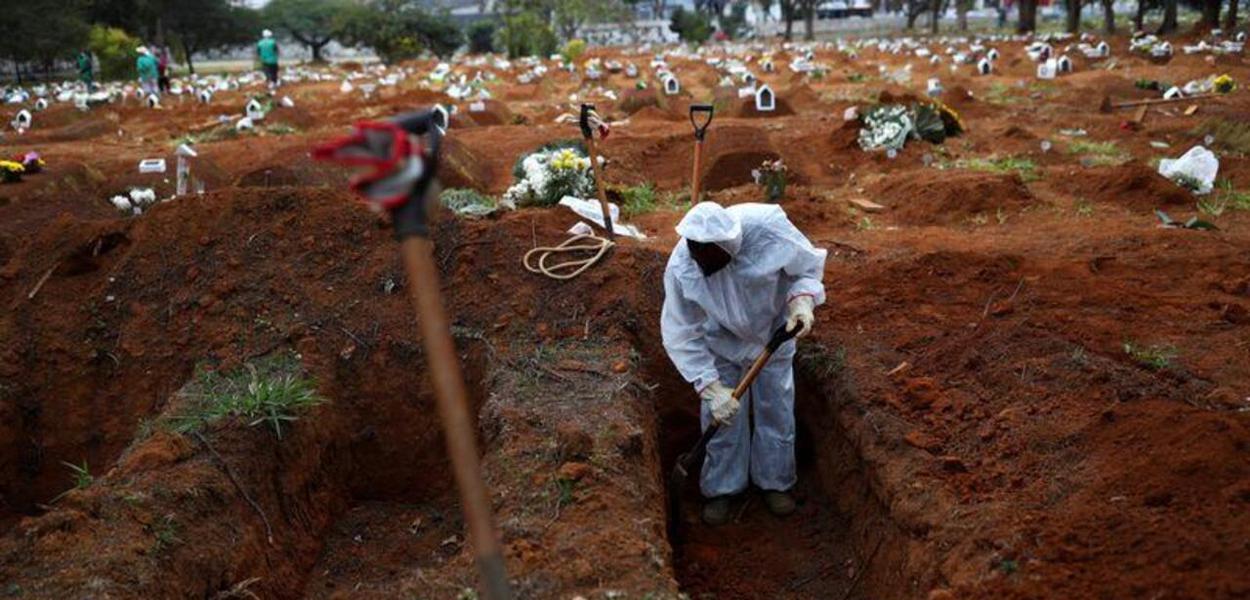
[[82, 129], [634, 100], [460, 168], [747, 110], [925, 198], [1132, 184], [296, 117], [654, 113], [802, 98], [483, 113]]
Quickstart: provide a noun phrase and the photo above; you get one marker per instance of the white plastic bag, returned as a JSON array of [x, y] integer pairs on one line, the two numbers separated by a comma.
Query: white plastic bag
[[592, 211], [1198, 163]]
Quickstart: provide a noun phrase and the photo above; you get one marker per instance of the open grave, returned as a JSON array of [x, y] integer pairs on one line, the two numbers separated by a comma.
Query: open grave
[[1021, 386]]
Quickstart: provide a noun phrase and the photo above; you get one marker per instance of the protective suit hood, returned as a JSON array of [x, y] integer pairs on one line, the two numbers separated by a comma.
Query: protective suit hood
[[711, 223]]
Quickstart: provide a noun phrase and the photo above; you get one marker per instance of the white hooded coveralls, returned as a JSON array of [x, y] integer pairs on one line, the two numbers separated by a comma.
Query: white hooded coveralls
[[714, 328]]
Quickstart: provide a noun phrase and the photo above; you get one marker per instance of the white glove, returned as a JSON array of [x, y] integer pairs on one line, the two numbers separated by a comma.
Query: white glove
[[799, 313], [720, 400]]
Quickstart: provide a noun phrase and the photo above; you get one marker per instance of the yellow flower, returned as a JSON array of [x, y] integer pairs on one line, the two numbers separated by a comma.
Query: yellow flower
[[1225, 84], [566, 159]]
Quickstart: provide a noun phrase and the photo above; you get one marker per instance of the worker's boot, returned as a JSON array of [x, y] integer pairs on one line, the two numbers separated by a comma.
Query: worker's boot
[[779, 503], [716, 511]]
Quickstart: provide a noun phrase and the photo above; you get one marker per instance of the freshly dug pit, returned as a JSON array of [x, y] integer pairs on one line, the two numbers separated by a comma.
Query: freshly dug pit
[[829, 548], [733, 169], [179, 524]]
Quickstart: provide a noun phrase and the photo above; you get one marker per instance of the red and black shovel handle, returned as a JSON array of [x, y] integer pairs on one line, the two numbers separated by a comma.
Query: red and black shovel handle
[[405, 169]]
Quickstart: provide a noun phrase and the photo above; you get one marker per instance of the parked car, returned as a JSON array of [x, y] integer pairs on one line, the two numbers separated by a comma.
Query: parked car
[[841, 9]]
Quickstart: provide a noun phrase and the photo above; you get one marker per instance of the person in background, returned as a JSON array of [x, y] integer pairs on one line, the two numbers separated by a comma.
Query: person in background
[[267, 52], [85, 72], [148, 71], [162, 70]]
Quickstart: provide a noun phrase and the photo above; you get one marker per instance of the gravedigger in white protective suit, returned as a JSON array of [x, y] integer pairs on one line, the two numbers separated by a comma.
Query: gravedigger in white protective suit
[[737, 275]]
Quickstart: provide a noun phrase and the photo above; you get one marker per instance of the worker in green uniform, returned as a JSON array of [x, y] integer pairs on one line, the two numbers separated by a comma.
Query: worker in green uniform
[[148, 71], [267, 51], [85, 74]]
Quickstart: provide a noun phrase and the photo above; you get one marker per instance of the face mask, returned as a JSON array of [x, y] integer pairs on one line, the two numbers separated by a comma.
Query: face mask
[[710, 257]]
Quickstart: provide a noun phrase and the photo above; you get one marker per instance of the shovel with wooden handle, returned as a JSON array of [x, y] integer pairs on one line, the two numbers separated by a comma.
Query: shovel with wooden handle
[[687, 461], [700, 132], [589, 121], [401, 156]]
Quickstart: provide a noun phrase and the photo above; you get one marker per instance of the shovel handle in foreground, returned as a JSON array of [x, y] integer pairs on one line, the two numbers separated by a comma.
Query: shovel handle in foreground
[[588, 134], [700, 132], [401, 180]]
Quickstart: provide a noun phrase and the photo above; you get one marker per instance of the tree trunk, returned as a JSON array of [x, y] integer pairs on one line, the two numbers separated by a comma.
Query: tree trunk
[[961, 14], [1073, 9], [809, 21], [788, 15], [1028, 16], [1230, 22], [1169, 17], [316, 50], [1140, 17], [186, 51], [1211, 14], [935, 16], [1108, 17]]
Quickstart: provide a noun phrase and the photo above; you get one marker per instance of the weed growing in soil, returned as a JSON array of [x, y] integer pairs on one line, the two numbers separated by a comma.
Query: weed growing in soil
[[1026, 168], [270, 391], [1233, 198], [865, 224], [1214, 206], [1000, 93], [1084, 208], [676, 201], [638, 200], [165, 532], [1232, 135], [1156, 357], [1098, 152], [467, 202], [820, 362], [1079, 356], [81, 476]]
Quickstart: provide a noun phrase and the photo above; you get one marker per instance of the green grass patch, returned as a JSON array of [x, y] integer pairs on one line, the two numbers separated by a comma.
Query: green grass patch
[[1236, 200], [272, 391], [467, 202], [80, 475], [1000, 93], [164, 534], [1233, 136], [1108, 149], [819, 361], [1024, 167], [1154, 357], [638, 200]]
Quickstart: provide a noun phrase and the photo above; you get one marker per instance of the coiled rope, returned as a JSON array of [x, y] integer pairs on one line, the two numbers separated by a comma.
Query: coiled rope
[[597, 246]]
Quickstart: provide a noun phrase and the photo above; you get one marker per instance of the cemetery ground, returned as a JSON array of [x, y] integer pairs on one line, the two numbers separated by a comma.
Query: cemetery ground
[[1021, 385]]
